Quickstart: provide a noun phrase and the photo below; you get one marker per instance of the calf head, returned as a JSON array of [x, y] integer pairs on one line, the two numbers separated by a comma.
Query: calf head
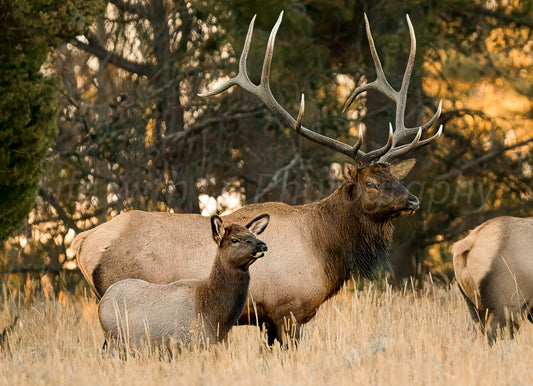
[[238, 244]]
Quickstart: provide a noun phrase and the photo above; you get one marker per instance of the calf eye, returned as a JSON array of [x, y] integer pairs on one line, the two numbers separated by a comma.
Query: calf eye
[[235, 241], [370, 185]]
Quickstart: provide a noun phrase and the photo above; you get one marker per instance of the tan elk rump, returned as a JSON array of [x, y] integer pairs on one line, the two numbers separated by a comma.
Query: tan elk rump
[[494, 270], [187, 312], [313, 248]]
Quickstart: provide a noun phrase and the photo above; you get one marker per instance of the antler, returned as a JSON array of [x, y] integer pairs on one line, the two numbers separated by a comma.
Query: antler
[[399, 98], [265, 94]]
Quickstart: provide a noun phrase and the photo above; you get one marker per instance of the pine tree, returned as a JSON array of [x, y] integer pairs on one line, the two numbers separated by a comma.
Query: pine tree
[[28, 106]]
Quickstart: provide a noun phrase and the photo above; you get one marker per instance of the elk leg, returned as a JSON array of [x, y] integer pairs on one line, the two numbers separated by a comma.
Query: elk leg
[[474, 312], [272, 334], [528, 310], [498, 322], [287, 331], [271, 331], [275, 331]]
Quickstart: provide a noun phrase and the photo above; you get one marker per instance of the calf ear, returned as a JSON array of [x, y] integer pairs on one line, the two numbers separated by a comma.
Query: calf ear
[[258, 224], [349, 171], [402, 169], [218, 229]]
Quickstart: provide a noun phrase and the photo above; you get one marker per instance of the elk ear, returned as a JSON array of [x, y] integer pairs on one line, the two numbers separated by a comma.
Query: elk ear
[[402, 169], [218, 229], [349, 171], [258, 224]]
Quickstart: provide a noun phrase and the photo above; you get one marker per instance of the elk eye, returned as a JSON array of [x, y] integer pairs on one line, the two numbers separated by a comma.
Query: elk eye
[[370, 185], [235, 241]]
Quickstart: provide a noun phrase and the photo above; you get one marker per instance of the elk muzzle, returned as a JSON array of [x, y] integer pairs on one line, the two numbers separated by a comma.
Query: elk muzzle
[[259, 250], [411, 204]]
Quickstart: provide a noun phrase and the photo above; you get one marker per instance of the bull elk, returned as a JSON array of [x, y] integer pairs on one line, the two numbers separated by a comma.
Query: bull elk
[[187, 312], [314, 248], [494, 270]]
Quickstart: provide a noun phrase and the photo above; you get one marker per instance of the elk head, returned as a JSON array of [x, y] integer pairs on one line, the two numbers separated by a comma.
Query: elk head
[[378, 189], [375, 178], [239, 245]]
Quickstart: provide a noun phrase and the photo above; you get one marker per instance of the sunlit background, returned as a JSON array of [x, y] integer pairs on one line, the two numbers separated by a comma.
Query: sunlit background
[[134, 134]]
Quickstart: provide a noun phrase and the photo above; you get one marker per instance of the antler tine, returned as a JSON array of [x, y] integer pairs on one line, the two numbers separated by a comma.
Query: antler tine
[[351, 151], [298, 125], [267, 62], [359, 143], [415, 144], [372, 155], [433, 119], [401, 130], [380, 83], [241, 79], [263, 90], [399, 97]]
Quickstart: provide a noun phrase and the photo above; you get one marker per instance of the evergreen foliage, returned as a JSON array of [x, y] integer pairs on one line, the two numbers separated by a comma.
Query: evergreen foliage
[[29, 30]]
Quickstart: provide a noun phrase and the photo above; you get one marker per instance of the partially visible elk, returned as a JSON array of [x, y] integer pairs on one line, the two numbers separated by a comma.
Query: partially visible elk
[[313, 248], [200, 310], [494, 270]]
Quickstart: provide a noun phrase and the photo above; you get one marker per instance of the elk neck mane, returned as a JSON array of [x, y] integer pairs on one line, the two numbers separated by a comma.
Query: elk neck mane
[[351, 242]]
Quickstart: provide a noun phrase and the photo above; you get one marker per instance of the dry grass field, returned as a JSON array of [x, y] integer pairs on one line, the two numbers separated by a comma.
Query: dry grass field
[[372, 336]]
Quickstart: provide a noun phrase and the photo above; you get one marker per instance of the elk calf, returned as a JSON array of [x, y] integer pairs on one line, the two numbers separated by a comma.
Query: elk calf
[[134, 309], [494, 269]]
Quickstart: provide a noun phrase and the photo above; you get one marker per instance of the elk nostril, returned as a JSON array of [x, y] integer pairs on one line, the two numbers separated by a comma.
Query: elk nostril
[[262, 247], [412, 201]]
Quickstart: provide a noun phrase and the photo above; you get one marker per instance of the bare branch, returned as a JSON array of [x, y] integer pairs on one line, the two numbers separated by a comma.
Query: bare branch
[[96, 49], [135, 8], [61, 213], [276, 178], [484, 158]]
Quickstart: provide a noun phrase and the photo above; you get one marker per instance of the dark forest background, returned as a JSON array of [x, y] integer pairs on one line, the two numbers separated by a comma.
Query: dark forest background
[[99, 113]]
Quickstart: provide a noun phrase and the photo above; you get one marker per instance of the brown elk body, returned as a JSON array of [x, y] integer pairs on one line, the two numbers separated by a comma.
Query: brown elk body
[[187, 311], [313, 248], [494, 270]]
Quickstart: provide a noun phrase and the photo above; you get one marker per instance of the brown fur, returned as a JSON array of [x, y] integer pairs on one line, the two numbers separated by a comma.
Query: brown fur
[[313, 248], [494, 270], [187, 311]]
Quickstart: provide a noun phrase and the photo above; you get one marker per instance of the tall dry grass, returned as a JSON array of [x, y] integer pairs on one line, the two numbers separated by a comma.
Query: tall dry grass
[[372, 336]]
